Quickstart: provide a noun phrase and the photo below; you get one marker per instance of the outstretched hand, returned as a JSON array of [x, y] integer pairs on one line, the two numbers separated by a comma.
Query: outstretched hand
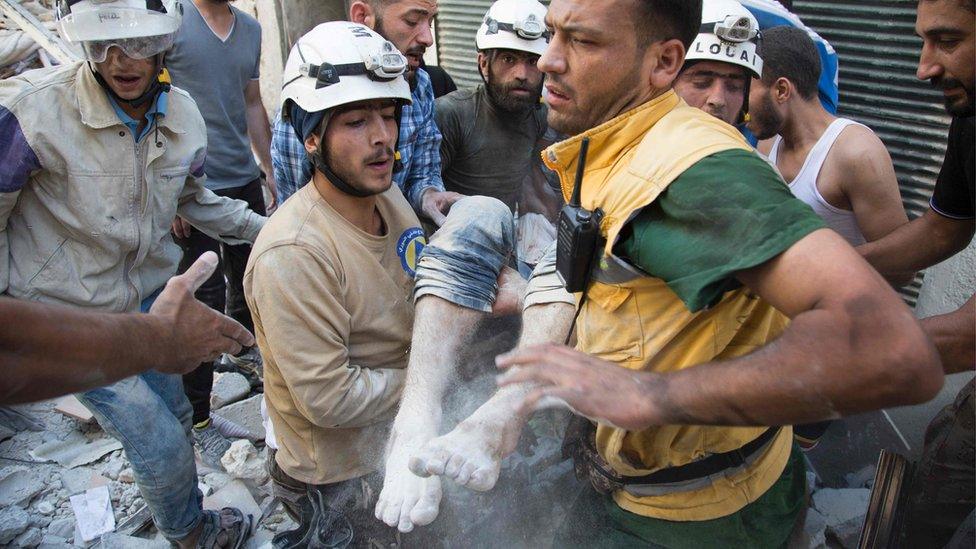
[[196, 332], [591, 387], [436, 204]]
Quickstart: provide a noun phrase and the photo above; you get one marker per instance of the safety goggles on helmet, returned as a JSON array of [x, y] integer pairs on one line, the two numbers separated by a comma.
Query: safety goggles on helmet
[[529, 28], [136, 48], [734, 28], [382, 66]]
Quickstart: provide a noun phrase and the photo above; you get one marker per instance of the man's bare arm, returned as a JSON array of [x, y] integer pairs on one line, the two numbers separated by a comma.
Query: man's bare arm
[[49, 350], [954, 335], [259, 130], [925, 241], [870, 184], [852, 347]]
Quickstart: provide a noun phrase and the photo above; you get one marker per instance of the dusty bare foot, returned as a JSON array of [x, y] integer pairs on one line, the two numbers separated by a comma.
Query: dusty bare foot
[[471, 454], [407, 500]]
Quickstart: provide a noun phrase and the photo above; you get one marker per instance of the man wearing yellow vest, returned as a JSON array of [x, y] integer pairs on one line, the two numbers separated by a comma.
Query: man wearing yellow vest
[[719, 305]]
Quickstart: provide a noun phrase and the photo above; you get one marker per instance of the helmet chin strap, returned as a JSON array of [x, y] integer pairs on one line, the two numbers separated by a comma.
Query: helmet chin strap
[[159, 85], [318, 160]]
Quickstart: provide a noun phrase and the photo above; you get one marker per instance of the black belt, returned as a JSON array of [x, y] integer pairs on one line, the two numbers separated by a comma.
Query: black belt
[[715, 463]]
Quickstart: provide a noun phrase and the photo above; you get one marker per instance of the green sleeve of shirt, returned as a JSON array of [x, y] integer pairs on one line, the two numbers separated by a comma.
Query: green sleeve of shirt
[[729, 212]]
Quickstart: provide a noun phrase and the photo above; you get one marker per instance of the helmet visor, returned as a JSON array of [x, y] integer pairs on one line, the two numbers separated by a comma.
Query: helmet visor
[[136, 48]]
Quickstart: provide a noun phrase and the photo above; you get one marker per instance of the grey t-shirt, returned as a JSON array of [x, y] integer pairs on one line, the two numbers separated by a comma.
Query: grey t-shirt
[[215, 73], [486, 151]]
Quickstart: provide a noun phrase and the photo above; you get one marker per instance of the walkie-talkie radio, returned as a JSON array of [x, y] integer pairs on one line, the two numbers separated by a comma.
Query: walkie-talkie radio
[[578, 239]]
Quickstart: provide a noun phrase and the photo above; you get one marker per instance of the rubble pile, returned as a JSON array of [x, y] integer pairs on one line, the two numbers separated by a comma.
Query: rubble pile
[[18, 51], [40, 471]]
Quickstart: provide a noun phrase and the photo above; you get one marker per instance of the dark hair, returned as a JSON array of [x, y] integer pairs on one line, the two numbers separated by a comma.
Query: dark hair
[[789, 52], [659, 20]]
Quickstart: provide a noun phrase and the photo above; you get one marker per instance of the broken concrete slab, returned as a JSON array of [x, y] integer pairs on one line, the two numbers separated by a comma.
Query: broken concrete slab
[[19, 486], [63, 528], [13, 522], [814, 530], [228, 388], [137, 522], [247, 414], [243, 461], [72, 407], [114, 540], [93, 511], [30, 538], [76, 481], [75, 450], [53, 542], [234, 494], [844, 511], [45, 508]]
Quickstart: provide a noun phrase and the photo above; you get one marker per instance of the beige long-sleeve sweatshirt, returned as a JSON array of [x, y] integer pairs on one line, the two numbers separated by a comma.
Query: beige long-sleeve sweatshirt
[[333, 315]]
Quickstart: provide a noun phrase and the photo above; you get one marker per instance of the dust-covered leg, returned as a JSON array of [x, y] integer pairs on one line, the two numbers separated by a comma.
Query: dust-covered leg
[[456, 285], [471, 454]]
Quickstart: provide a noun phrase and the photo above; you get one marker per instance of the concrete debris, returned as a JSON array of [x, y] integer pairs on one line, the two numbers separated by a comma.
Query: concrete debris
[[78, 480], [137, 522], [217, 480], [844, 510], [127, 476], [205, 489], [228, 388], [247, 414], [112, 469], [811, 482], [31, 538], [234, 494], [72, 407], [45, 508], [53, 542], [14, 419], [863, 478], [75, 450], [815, 530], [13, 521], [19, 487], [243, 461], [93, 511], [260, 540], [63, 528], [118, 541]]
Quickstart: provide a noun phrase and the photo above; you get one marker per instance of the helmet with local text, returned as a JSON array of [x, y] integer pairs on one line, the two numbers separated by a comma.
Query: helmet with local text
[[730, 34], [140, 28], [340, 62], [514, 25]]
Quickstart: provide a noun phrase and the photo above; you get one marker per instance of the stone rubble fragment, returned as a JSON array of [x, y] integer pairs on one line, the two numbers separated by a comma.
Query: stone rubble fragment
[[13, 521], [75, 450], [63, 528], [30, 538], [45, 508], [247, 414], [844, 511], [229, 388], [19, 486], [243, 461]]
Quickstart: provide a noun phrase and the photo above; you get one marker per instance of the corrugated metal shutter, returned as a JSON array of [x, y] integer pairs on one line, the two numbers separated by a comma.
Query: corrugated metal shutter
[[457, 24], [878, 57]]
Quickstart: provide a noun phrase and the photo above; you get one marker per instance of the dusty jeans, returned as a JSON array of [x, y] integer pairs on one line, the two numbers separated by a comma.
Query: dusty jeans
[[150, 416], [945, 481], [465, 256]]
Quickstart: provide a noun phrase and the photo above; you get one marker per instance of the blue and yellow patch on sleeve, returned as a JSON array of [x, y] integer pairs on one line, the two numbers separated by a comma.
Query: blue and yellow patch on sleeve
[[409, 246]]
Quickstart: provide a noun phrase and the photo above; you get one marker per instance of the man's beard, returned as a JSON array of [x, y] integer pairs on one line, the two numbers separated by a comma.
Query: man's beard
[[765, 121], [503, 98], [959, 108], [418, 51]]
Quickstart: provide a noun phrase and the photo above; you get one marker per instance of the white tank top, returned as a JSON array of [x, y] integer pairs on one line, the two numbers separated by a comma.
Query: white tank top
[[804, 186]]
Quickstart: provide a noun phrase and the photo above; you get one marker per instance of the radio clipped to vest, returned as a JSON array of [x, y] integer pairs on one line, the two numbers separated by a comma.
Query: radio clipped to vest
[[578, 239]]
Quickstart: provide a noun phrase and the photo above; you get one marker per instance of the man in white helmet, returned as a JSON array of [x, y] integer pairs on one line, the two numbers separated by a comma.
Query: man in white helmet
[[722, 61], [408, 25], [493, 133], [342, 298], [99, 157]]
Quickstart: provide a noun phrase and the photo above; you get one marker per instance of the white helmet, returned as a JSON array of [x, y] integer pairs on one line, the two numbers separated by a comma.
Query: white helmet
[[514, 25], [339, 62], [729, 34], [141, 28]]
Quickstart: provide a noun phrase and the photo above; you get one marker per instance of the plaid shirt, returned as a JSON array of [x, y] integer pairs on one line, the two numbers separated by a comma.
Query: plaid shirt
[[420, 150]]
